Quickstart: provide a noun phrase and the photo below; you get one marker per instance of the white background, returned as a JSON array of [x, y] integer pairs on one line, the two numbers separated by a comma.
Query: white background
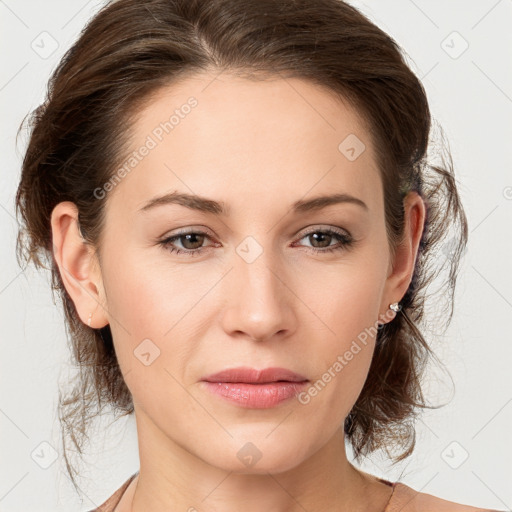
[[470, 96]]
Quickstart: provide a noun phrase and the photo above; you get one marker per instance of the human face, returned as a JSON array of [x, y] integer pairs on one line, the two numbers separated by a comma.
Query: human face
[[258, 289]]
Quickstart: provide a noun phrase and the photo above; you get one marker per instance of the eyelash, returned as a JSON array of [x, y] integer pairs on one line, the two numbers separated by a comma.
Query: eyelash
[[346, 241]]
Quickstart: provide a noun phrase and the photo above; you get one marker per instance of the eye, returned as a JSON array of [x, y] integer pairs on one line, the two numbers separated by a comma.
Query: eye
[[191, 242], [324, 237]]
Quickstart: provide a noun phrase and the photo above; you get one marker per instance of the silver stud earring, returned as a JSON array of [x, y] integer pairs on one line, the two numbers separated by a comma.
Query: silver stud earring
[[395, 307], [89, 320]]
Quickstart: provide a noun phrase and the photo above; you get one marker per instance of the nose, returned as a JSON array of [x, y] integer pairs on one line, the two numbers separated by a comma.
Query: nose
[[260, 304]]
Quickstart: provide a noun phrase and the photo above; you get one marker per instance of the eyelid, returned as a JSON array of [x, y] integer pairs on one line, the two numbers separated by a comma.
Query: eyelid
[[322, 227], [186, 231]]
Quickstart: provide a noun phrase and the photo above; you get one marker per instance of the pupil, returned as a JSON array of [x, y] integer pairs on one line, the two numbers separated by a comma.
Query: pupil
[[321, 235], [192, 236]]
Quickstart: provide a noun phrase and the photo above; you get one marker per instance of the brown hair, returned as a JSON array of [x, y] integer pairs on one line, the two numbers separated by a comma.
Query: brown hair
[[129, 50]]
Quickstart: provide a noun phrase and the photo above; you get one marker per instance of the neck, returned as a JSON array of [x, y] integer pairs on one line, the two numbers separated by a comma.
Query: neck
[[175, 479]]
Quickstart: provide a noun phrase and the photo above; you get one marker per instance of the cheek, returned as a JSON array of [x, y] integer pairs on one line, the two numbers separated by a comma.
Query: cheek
[[147, 298], [139, 310], [347, 299], [156, 317], [341, 370], [149, 326], [348, 306]]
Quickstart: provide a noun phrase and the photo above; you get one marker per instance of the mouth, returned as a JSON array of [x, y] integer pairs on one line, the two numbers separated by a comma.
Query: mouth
[[256, 389]]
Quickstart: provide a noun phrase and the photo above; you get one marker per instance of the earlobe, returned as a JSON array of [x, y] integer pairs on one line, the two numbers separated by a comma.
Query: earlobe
[[77, 264]]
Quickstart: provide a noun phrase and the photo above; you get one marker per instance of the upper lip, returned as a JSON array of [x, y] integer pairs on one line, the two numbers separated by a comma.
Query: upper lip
[[253, 375]]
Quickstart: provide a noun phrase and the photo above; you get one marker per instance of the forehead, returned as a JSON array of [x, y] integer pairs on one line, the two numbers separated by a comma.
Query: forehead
[[218, 134]]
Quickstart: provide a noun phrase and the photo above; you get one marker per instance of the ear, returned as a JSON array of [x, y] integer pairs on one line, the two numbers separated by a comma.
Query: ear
[[78, 265], [402, 264]]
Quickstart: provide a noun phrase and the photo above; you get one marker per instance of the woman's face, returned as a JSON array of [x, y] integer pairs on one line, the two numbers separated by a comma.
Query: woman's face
[[274, 280]]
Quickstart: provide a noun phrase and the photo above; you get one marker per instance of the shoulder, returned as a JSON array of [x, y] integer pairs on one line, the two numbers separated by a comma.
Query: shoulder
[[112, 501], [406, 499]]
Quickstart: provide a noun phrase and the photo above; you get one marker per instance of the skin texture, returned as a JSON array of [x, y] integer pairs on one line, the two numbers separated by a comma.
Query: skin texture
[[257, 146]]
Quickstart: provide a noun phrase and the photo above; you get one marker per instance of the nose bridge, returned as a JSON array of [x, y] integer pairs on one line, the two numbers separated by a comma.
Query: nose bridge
[[256, 267], [260, 302]]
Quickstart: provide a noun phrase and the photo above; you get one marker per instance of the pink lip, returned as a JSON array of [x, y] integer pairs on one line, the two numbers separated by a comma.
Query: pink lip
[[257, 389]]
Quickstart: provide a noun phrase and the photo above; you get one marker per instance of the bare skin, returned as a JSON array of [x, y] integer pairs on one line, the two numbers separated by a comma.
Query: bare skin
[[258, 147]]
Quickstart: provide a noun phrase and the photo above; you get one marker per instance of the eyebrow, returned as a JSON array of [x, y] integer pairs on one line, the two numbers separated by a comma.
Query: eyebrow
[[206, 205]]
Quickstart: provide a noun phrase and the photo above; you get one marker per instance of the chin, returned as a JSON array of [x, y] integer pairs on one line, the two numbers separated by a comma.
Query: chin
[[258, 456]]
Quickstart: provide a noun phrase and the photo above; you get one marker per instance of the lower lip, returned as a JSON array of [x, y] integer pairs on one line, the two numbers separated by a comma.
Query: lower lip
[[256, 396]]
